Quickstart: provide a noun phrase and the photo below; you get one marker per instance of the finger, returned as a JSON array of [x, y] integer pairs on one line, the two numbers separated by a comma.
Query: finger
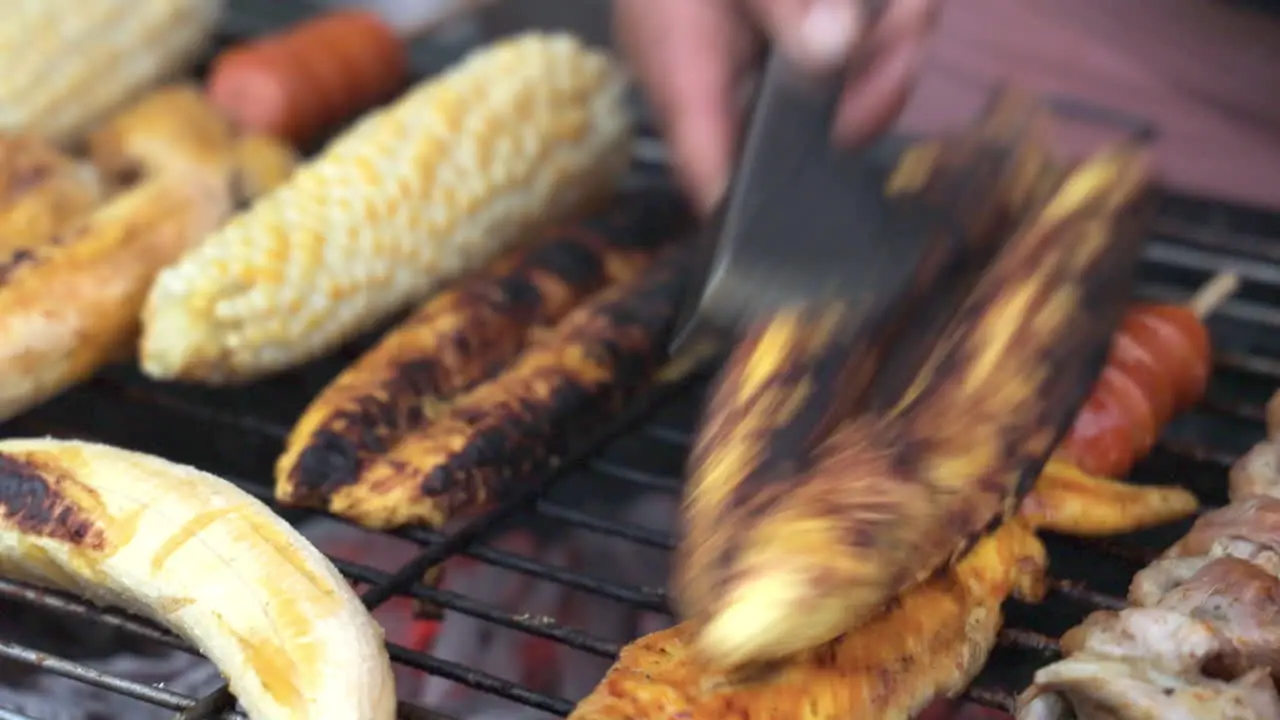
[[903, 20], [873, 99], [688, 56], [817, 35]]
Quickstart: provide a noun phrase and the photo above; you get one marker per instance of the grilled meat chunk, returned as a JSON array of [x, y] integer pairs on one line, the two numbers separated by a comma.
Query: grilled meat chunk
[[560, 392], [812, 549], [461, 338], [1067, 500], [1257, 472], [1144, 664], [930, 643], [1253, 522]]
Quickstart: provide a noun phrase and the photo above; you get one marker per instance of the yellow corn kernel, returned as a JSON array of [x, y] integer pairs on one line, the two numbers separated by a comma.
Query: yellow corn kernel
[[464, 165], [67, 63]]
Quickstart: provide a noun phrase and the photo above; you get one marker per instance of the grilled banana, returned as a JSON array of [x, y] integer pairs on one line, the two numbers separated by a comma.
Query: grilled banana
[[560, 392], [42, 192], [70, 304], [460, 338], [177, 130], [911, 479], [200, 556]]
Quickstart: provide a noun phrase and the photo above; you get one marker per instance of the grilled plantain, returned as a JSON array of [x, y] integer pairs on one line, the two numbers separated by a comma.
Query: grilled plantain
[[930, 643], [559, 392], [71, 304], [912, 477], [983, 178], [460, 338]]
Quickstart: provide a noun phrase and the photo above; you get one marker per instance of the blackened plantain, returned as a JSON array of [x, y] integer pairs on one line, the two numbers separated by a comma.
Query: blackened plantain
[[461, 337], [561, 391], [773, 564], [791, 383]]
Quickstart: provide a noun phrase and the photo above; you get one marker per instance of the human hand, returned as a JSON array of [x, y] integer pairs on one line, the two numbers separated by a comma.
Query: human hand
[[691, 55]]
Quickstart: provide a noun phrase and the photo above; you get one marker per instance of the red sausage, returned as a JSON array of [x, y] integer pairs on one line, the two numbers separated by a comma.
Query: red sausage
[[310, 78], [1100, 441], [1159, 365]]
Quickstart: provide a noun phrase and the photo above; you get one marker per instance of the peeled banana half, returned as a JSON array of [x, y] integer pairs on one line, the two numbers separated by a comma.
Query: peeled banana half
[[198, 555]]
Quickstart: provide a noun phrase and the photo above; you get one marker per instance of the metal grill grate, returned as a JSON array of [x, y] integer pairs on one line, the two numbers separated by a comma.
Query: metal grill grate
[[237, 433]]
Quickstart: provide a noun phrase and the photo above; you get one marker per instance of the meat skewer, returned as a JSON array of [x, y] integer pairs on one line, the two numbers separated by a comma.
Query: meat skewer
[[309, 78], [1201, 638]]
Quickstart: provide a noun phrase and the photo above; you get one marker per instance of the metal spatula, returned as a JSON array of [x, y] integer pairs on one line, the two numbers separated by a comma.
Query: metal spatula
[[804, 222]]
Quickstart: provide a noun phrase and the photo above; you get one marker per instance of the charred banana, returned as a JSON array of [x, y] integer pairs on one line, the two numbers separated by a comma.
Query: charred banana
[[911, 479], [461, 338], [205, 559]]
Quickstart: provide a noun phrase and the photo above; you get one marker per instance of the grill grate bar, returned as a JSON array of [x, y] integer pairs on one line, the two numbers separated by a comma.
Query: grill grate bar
[[540, 627], [74, 607], [478, 680], [586, 521], [87, 675]]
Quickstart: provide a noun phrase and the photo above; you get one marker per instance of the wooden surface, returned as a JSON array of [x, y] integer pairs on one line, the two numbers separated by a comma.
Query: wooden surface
[[1204, 71]]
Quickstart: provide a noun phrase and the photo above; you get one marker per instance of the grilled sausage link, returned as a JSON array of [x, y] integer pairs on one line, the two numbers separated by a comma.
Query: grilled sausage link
[[462, 337], [1158, 366], [559, 393], [893, 494]]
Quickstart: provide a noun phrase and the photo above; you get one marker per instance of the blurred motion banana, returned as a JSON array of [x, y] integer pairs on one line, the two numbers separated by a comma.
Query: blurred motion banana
[[927, 459]]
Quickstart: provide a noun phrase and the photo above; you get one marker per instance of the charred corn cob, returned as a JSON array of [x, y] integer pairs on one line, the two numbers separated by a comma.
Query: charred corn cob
[[460, 168], [71, 63], [898, 489], [461, 337], [561, 391]]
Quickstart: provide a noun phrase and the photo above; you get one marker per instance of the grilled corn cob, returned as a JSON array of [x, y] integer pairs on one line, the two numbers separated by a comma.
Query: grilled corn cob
[[460, 168], [71, 63], [461, 337], [202, 557], [899, 489], [562, 391]]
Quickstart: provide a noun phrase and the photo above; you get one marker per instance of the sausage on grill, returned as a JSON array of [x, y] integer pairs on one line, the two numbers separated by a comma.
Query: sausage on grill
[[311, 77], [1158, 366], [461, 337], [559, 392]]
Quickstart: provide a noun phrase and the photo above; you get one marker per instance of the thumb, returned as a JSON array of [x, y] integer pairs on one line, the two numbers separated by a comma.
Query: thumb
[[817, 35]]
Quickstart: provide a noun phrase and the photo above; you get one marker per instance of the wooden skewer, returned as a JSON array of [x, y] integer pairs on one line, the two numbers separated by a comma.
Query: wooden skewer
[[1211, 295]]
